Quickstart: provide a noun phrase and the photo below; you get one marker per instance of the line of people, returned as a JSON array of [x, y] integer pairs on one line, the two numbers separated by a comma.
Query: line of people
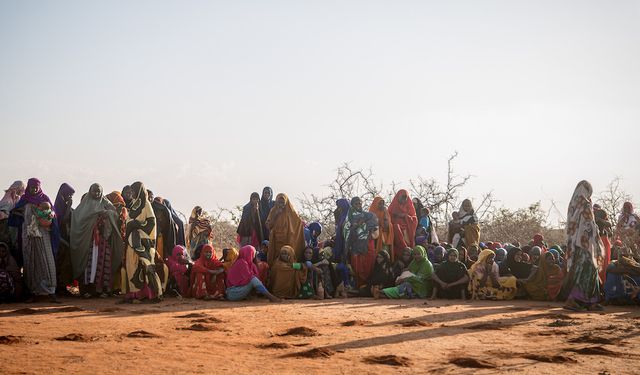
[[133, 244]]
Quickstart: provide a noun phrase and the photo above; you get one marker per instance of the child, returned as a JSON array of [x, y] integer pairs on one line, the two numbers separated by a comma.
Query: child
[[307, 289], [44, 214], [179, 267], [327, 273]]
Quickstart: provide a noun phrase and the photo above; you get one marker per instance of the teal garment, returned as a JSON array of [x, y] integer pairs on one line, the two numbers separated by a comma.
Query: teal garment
[[423, 269]]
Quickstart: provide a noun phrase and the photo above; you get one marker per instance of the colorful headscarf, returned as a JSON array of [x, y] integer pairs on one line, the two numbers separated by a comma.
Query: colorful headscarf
[[244, 269], [582, 231]]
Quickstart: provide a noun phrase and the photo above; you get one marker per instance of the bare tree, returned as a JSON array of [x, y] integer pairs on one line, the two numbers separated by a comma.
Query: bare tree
[[348, 183], [612, 199]]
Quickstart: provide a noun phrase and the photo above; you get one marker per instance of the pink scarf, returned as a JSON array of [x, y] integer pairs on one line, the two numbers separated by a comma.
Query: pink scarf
[[243, 270]]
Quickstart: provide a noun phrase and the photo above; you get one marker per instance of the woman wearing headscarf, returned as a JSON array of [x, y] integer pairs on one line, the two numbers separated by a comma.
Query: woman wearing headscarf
[[416, 281], [285, 229], [628, 227], [605, 232], [469, 222], [38, 242], [96, 243], [242, 278], [450, 278], [165, 228], [514, 265], [229, 256], [122, 214], [404, 221], [311, 234], [143, 281], [180, 236], [9, 200], [385, 239], [266, 204], [63, 210], [250, 227], [584, 252], [547, 280], [380, 277], [207, 276], [485, 281], [359, 228], [286, 276], [199, 230], [10, 277], [179, 265]]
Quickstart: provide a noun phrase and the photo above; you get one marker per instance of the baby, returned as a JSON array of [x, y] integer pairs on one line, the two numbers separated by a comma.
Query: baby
[[44, 214]]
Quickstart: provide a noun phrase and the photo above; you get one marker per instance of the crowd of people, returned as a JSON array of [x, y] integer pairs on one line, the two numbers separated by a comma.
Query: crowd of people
[[134, 245]]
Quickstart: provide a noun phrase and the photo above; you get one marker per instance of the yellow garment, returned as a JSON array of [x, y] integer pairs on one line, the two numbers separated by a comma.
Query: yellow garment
[[285, 281], [507, 286], [285, 229], [232, 255], [133, 261], [472, 235]]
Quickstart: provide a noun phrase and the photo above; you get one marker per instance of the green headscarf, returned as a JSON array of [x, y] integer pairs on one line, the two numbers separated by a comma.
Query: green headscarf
[[422, 269]]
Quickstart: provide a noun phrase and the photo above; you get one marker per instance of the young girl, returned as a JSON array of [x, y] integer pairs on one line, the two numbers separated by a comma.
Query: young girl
[[207, 276], [179, 267], [242, 277]]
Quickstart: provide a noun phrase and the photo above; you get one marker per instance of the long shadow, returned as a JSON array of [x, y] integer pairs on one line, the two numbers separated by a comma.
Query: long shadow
[[449, 330]]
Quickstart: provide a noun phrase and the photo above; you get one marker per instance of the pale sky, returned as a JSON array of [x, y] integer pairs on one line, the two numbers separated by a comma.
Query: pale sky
[[208, 101]]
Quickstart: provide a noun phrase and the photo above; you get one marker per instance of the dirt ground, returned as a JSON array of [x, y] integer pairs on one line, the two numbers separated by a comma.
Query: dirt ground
[[334, 336]]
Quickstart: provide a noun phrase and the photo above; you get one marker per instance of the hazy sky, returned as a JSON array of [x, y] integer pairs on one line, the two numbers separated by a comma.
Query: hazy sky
[[208, 101]]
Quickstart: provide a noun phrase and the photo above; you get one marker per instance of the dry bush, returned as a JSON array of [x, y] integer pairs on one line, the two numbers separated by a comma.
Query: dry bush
[[505, 225]]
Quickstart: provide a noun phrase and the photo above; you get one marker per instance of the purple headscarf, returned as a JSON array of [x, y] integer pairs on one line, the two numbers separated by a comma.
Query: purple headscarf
[[36, 198], [60, 207]]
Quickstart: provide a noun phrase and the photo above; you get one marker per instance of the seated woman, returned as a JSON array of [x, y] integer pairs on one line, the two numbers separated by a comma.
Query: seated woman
[[416, 281], [229, 256], [546, 281], [623, 278], [402, 263], [179, 266], [436, 255], [310, 284], [451, 278], [10, 277], [485, 281], [263, 266], [242, 277], [207, 276], [286, 277], [514, 265], [381, 276]]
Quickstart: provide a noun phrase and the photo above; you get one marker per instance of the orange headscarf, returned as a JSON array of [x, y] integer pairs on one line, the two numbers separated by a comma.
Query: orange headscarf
[[386, 233], [285, 229]]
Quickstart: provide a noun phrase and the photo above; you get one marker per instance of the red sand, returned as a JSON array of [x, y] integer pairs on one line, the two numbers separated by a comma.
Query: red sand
[[512, 336]]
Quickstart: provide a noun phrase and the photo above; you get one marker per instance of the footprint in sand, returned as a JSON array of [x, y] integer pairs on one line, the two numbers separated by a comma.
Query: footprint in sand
[[389, 360]]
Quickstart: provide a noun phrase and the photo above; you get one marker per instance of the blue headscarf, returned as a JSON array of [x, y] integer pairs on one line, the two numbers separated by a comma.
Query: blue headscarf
[[338, 248]]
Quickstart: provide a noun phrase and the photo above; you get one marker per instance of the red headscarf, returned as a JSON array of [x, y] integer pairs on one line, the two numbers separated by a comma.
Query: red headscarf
[[243, 269], [203, 264], [410, 221]]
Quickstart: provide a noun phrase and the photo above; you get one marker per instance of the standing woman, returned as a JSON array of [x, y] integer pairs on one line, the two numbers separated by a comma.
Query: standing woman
[[469, 222], [250, 227], [199, 230], [584, 253], [285, 229], [9, 200], [96, 245], [142, 280], [180, 238], [121, 210], [628, 227], [358, 229], [63, 210], [266, 204], [605, 232], [385, 238], [165, 229], [404, 220], [39, 241]]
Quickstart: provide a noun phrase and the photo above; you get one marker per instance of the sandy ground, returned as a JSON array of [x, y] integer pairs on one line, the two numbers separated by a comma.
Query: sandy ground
[[338, 336]]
